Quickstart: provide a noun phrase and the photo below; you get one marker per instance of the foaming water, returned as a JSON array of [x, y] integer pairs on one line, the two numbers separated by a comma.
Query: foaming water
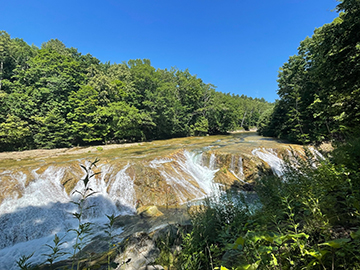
[[212, 162], [270, 157], [188, 176], [241, 169], [45, 209], [240, 174], [122, 193], [39, 206], [42, 208]]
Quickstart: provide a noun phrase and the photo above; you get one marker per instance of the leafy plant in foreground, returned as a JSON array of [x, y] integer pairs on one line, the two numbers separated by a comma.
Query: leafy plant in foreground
[[84, 228], [109, 232], [56, 251], [23, 262]]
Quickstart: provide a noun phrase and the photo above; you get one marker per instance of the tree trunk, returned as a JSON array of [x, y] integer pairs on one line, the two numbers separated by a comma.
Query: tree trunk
[[242, 122]]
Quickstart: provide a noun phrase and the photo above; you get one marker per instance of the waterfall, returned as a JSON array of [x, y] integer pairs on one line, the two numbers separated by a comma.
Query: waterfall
[[201, 174], [240, 175], [106, 200], [212, 161], [187, 176], [241, 168], [121, 191], [41, 207], [45, 209], [35, 204], [41, 211], [270, 157]]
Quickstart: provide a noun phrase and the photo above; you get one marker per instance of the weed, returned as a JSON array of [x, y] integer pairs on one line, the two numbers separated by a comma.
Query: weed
[[109, 232], [23, 262], [84, 228], [56, 251]]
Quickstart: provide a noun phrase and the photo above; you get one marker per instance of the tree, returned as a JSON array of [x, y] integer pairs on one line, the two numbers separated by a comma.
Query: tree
[[320, 86], [14, 133]]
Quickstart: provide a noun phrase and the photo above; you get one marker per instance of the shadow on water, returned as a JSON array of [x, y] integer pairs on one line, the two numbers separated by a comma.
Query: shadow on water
[[29, 228]]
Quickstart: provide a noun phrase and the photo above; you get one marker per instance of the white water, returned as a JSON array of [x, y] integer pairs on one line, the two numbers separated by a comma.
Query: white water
[[188, 176], [30, 219], [121, 191], [241, 169], [240, 174], [270, 157], [29, 222], [158, 162], [212, 162]]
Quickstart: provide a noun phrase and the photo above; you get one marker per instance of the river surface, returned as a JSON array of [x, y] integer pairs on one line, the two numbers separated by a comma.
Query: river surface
[[37, 186]]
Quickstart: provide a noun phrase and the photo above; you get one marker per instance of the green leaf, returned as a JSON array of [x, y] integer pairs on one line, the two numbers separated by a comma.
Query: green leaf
[[355, 235], [239, 242], [317, 254], [274, 260], [265, 249], [269, 238], [337, 243]]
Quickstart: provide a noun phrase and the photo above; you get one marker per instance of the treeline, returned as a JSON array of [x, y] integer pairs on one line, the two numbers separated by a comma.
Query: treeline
[[56, 97], [319, 88]]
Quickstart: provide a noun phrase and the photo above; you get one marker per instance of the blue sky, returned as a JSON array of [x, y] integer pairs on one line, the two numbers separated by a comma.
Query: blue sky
[[237, 45]]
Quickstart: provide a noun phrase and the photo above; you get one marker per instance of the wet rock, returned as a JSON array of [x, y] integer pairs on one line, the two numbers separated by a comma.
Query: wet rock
[[149, 211], [170, 235], [152, 267], [137, 252]]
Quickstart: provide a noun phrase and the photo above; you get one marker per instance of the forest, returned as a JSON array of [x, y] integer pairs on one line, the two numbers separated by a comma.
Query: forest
[[319, 88], [54, 96]]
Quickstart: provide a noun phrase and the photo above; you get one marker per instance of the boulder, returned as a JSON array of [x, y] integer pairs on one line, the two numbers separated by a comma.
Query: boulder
[[137, 251], [149, 211]]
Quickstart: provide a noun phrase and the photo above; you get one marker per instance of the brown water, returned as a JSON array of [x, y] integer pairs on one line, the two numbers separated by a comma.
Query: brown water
[[165, 168], [37, 186], [233, 143]]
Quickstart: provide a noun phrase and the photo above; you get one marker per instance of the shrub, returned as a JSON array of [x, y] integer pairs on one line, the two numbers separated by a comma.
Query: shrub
[[309, 219]]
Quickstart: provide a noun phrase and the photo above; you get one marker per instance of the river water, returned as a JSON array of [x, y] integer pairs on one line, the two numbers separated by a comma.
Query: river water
[[38, 190]]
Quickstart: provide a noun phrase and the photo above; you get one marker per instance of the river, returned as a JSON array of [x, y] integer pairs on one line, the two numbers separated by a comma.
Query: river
[[37, 186]]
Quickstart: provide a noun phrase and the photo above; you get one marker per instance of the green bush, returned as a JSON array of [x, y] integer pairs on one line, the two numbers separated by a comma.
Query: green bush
[[309, 219]]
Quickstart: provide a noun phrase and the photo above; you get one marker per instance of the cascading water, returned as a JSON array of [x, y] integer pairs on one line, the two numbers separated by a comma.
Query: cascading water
[[42, 210], [241, 169], [121, 191], [45, 209], [270, 157], [240, 174], [212, 162], [38, 205], [187, 176]]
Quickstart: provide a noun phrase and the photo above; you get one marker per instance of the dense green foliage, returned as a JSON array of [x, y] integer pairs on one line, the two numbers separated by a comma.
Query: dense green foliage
[[309, 219], [56, 97], [319, 88]]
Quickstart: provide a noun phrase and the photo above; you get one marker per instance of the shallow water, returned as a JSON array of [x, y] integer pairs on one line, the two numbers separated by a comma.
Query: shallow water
[[36, 199], [232, 143]]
